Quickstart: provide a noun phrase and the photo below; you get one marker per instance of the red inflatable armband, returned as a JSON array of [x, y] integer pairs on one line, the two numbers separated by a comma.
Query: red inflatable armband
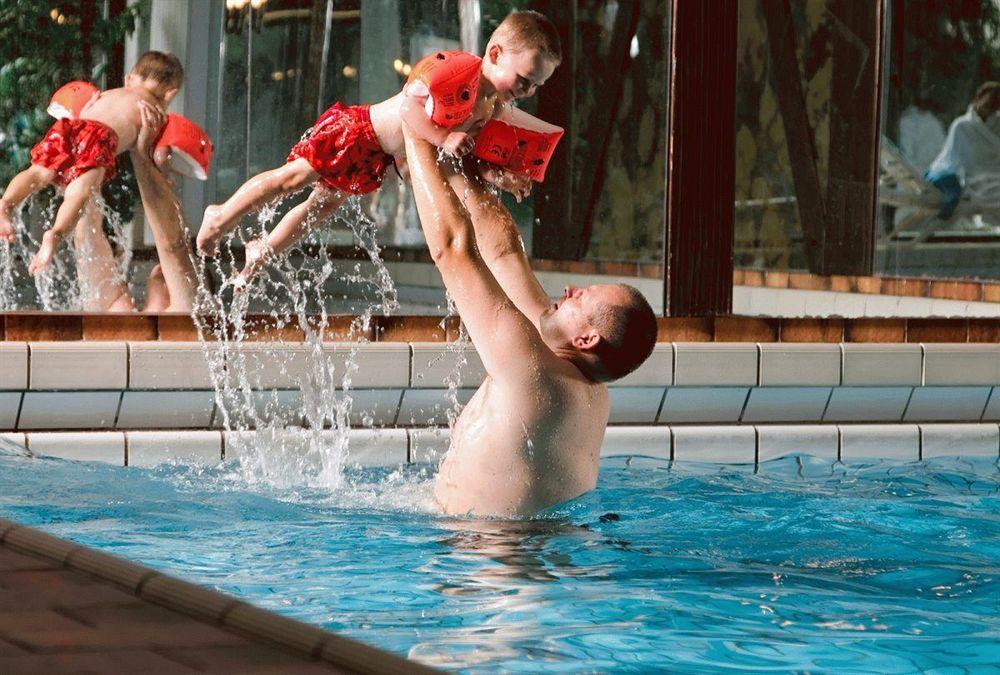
[[190, 147], [518, 142], [69, 99], [453, 81]]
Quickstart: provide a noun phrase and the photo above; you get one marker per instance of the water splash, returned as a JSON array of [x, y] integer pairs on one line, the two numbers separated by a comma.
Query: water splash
[[59, 287], [296, 397]]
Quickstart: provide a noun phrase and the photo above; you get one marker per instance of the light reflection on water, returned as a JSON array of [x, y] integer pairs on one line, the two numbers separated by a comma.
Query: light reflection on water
[[800, 565]]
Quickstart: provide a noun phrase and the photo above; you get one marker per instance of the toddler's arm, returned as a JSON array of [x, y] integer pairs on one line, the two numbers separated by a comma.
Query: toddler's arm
[[458, 143]]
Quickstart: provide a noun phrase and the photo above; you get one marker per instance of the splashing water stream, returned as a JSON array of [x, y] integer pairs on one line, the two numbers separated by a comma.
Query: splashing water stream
[[302, 432], [60, 286]]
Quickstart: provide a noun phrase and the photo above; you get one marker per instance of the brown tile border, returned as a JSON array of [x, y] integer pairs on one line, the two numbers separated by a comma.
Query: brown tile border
[[414, 329], [970, 290], [984, 330], [300, 639], [937, 330], [812, 330], [957, 290], [746, 329], [875, 330], [38, 326], [122, 327], [869, 285], [776, 279], [807, 282], [684, 329], [841, 284], [914, 288], [177, 328]]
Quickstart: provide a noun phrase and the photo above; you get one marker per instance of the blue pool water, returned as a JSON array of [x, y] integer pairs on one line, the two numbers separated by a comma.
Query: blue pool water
[[798, 566]]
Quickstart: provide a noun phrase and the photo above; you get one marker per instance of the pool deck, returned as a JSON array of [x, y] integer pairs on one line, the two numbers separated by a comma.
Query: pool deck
[[66, 608]]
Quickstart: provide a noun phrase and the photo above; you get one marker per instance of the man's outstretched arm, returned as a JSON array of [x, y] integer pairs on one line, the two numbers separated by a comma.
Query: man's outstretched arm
[[503, 336], [164, 215], [500, 242]]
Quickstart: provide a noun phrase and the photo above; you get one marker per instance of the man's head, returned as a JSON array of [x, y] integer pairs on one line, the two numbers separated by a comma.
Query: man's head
[[608, 329], [987, 99], [159, 73], [521, 54]]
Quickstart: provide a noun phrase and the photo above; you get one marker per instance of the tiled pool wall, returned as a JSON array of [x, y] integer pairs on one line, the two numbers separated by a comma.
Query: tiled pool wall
[[145, 401]]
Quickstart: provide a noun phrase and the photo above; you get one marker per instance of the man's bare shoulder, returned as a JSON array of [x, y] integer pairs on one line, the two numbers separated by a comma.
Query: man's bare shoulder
[[548, 373]]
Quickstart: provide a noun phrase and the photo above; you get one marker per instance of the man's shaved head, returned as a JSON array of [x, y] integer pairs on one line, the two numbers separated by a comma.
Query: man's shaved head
[[628, 332]]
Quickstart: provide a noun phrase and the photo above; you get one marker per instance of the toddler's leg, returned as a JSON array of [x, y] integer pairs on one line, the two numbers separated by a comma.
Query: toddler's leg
[[253, 194], [78, 192], [22, 186], [321, 204]]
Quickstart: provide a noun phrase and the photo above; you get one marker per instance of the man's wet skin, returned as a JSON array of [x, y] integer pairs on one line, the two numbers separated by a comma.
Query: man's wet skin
[[531, 435]]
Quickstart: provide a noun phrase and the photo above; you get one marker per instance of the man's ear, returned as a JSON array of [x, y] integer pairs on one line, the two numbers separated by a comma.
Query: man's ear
[[169, 94], [493, 53], [587, 342]]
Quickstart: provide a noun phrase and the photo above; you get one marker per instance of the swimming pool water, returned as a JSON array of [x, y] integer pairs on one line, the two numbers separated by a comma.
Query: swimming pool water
[[799, 565]]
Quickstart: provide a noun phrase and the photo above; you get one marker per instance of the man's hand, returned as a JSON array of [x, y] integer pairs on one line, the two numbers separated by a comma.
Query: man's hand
[[152, 120], [508, 181], [458, 143]]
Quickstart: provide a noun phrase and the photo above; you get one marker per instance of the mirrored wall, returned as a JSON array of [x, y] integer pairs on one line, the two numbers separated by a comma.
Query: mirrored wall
[[820, 122], [939, 200], [261, 71]]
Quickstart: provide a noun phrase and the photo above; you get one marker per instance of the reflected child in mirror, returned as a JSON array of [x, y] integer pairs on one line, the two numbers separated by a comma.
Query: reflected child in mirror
[[79, 153]]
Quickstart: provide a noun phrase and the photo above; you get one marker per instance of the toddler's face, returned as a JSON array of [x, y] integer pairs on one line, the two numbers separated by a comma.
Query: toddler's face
[[517, 74]]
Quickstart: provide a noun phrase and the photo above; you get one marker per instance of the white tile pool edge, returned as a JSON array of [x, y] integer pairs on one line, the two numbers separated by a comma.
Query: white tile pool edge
[[731, 444], [207, 605]]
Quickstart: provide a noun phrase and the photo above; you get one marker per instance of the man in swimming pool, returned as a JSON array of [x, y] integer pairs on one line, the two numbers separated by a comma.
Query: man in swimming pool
[[531, 435]]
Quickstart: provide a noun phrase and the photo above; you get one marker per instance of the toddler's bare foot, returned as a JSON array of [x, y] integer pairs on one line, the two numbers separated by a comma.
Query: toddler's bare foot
[[45, 253], [258, 252], [209, 234], [7, 230]]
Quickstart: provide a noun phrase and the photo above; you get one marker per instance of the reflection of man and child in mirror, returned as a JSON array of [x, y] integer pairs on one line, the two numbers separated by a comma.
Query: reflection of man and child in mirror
[[79, 154], [347, 151], [963, 161]]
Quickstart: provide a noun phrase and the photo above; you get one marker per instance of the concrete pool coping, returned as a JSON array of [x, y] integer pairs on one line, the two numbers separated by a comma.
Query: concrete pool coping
[[227, 623]]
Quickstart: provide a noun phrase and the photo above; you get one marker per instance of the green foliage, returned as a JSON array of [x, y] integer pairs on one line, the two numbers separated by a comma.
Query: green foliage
[[43, 45]]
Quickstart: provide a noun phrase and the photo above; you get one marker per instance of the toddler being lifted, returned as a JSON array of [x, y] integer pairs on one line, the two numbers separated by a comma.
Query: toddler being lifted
[[349, 148], [80, 153]]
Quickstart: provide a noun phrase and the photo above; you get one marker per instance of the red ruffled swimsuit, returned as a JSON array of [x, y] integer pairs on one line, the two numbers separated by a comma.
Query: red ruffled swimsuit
[[73, 147], [343, 149]]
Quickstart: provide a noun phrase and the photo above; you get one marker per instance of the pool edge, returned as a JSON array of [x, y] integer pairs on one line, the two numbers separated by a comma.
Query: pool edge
[[207, 606]]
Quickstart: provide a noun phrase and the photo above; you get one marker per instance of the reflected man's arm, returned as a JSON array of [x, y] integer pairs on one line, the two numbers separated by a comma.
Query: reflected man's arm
[[164, 215]]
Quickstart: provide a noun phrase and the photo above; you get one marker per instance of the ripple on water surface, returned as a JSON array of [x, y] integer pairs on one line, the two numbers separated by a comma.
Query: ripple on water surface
[[799, 565]]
